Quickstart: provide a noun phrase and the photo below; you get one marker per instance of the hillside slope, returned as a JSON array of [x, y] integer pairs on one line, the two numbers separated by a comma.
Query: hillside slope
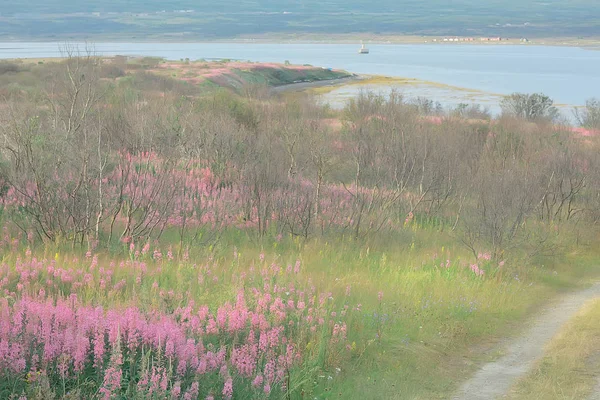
[[226, 19]]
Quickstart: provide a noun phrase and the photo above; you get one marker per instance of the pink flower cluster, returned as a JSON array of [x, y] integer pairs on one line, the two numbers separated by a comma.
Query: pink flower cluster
[[257, 338], [476, 270], [147, 194]]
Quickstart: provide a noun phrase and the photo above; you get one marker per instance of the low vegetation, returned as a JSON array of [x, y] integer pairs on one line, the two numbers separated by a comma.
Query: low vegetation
[[163, 240]]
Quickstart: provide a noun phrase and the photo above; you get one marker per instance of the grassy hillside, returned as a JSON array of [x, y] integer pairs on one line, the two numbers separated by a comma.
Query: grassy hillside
[[191, 77], [236, 75], [186, 18]]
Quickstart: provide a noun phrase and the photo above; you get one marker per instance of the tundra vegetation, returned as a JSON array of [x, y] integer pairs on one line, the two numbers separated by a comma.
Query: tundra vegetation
[[162, 240]]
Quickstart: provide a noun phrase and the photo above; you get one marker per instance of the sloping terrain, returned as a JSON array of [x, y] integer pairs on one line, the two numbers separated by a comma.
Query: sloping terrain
[[186, 18], [237, 74]]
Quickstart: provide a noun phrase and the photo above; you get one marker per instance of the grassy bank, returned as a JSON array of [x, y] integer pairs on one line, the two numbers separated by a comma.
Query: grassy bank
[[237, 74], [205, 75]]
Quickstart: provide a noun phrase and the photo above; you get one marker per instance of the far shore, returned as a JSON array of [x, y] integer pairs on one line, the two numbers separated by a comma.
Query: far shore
[[592, 43]]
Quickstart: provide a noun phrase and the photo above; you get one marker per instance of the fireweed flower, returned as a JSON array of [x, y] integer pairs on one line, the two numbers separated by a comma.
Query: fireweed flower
[[257, 381], [228, 389], [476, 270], [251, 340]]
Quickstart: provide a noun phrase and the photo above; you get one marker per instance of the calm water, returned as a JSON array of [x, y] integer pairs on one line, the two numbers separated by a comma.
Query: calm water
[[567, 74]]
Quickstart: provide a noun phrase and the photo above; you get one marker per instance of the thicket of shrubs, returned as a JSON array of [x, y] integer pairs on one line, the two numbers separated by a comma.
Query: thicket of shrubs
[[95, 159]]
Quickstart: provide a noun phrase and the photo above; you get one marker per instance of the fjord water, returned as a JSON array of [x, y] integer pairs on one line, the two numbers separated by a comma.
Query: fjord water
[[569, 75]]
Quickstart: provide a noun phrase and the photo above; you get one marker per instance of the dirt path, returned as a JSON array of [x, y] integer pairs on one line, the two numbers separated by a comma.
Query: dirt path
[[494, 380], [596, 393]]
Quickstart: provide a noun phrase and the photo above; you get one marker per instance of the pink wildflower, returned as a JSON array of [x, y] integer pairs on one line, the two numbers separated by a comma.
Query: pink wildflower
[[176, 390], [228, 388], [258, 381], [192, 392]]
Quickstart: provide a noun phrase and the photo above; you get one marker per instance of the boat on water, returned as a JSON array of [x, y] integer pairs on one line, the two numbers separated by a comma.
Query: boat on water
[[363, 49]]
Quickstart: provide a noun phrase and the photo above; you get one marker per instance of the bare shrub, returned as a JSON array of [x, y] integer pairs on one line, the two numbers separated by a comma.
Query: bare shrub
[[471, 111], [7, 67], [589, 117], [531, 107], [85, 160]]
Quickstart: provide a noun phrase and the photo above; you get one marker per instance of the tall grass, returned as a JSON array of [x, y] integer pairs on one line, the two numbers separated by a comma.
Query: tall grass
[[405, 313]]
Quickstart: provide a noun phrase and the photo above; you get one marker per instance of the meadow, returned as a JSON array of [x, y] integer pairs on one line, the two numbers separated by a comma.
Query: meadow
[[165, 240]]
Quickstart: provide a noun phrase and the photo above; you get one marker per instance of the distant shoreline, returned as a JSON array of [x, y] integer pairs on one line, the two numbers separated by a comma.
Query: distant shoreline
[[591, 43]]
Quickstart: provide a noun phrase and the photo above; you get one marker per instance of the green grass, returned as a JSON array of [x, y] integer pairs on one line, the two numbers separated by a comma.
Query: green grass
[[410, 345], [287, 75]]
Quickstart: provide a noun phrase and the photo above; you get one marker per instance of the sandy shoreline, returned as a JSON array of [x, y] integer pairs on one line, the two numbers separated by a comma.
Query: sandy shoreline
[[592, 43]]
